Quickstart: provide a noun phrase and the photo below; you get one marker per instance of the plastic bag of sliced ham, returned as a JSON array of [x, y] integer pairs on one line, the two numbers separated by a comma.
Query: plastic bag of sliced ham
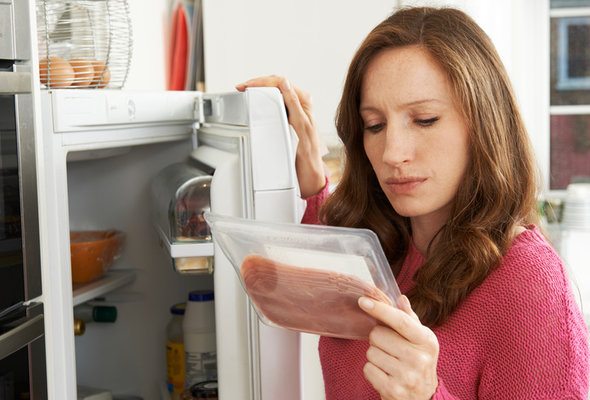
[[307, 278]]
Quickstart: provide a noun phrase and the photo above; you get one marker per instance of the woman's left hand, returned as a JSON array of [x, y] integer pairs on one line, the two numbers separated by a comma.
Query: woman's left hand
[[403, 353]]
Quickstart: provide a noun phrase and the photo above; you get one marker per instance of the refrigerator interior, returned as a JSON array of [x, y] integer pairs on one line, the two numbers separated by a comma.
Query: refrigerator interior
[[128, 356]]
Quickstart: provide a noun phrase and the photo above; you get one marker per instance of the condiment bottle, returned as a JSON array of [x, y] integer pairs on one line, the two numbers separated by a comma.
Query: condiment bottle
[[199, 338], [175, 351]]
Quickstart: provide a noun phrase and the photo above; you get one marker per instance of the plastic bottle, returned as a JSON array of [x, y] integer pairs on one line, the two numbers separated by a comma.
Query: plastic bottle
[[199, 338], [175, 350]]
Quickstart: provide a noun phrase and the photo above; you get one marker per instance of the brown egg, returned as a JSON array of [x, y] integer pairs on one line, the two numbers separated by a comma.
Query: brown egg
[[102, 75], [84, 72], [56, 72]]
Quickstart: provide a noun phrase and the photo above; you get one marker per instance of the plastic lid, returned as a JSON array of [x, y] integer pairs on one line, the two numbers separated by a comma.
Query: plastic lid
[[204, 390], [178, 308], [104, 313], [306, 277], [201, 295]]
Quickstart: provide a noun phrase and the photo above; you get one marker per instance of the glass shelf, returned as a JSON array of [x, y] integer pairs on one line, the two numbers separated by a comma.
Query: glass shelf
[[111, 281]]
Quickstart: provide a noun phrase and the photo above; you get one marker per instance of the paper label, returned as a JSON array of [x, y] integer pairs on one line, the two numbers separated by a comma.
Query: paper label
[[175, 363], [349, 264], [200, 367]]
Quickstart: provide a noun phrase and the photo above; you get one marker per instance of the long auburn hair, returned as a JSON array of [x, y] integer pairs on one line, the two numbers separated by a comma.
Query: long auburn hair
[[497, 194]]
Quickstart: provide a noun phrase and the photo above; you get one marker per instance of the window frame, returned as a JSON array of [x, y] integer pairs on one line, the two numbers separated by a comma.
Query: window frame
[[564, 81], [582, 109]]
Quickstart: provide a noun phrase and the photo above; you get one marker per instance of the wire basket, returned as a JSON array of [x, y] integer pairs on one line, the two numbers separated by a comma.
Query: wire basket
[[83, 44]]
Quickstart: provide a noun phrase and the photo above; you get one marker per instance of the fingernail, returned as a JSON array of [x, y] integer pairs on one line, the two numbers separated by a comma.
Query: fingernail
[[405, 302], [366, 304]]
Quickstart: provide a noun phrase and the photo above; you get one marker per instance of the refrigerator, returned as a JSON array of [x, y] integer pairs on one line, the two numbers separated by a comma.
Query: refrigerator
[[100, 154]]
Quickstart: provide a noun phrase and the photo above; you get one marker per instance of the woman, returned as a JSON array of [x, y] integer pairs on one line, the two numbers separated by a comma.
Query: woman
[[439, 165]]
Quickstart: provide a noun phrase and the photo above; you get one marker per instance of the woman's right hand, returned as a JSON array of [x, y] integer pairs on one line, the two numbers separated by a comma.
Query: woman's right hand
[[308, 160]]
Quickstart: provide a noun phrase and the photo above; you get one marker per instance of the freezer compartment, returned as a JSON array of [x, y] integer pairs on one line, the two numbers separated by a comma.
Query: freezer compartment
[[180, 196]]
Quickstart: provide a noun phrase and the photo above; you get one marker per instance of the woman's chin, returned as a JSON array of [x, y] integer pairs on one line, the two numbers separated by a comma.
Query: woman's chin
[[408, 211]]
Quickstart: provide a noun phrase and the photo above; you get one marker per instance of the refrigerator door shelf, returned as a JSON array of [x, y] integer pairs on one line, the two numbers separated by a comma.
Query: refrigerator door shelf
[[190, 257], [187, 249]]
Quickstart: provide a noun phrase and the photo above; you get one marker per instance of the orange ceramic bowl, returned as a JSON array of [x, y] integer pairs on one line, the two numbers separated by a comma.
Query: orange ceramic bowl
[[93, 252]]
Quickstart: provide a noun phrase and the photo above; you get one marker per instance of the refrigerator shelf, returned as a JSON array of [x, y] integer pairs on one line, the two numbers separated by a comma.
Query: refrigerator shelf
[[109, 282], [188, 249]]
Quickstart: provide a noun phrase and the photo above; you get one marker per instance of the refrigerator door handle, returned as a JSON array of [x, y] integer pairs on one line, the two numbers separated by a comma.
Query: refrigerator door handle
[[19, 306], [22, 335], [13, 308]]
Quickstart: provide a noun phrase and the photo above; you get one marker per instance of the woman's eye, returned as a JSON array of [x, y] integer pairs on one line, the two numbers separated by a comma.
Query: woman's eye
[[427, 122], [374, 128]]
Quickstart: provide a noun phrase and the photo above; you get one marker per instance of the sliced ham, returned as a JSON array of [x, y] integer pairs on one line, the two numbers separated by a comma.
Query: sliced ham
[[309, 299]]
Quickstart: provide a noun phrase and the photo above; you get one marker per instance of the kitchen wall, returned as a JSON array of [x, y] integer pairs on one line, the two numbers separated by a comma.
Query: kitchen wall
[[311, 42], [147, 69]]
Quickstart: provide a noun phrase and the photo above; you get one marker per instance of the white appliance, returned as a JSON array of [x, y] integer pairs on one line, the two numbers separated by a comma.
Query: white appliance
[[100, 150]]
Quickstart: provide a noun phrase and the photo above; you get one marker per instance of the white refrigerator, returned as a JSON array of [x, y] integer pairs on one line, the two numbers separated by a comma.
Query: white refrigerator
[[98, 153]]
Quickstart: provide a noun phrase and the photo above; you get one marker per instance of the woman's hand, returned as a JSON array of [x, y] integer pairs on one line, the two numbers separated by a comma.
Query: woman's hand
[[402, 355], [308, 160]]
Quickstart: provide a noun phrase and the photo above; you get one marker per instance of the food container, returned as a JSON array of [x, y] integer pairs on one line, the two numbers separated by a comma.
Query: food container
[[83, 44], [307, 278], [93, 252], [180, 197]]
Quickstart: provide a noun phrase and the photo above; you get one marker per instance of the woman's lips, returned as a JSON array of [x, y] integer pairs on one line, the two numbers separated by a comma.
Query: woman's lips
[[404, 185]]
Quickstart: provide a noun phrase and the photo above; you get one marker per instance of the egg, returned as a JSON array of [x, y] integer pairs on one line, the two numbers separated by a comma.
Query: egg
[[102, 75], [56, 72], [84, 72]]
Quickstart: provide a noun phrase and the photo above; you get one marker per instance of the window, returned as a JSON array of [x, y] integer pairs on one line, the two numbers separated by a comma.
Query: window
[[573, 50], [569, 92]]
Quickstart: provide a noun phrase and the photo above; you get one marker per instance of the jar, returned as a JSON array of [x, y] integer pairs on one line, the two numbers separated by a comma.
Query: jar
[[175, 350]]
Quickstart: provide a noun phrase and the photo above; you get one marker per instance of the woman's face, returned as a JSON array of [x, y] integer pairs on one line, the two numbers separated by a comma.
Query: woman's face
[[414, 135]]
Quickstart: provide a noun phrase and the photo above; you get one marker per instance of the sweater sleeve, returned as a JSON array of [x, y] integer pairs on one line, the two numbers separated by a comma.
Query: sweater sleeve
[[538, 341], [442, 392], [312, 209]]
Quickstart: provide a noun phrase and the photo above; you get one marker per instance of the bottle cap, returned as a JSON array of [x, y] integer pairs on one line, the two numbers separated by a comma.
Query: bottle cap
[[104, 313], [79, 327], [204, 390], [178, 309], [201, 295]]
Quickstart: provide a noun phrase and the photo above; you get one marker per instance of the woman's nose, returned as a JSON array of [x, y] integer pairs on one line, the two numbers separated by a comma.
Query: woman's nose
[[399, 146]]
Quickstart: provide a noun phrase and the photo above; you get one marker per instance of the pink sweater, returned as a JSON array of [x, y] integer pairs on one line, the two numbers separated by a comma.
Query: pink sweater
[[519, 335]]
